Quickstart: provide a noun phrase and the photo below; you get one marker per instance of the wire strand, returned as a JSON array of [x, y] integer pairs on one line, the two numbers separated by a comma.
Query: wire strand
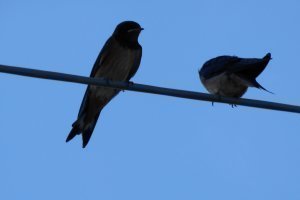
[[147, 89]]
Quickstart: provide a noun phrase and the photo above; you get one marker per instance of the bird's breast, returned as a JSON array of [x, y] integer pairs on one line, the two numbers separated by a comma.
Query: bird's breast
[[224, 84], [118, 63]]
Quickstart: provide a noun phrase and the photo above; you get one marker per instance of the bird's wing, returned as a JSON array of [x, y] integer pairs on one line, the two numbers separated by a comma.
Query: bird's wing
[[97, 65], [136, 63], [102, 57], [84, 102], [218, 66], [251, 67]]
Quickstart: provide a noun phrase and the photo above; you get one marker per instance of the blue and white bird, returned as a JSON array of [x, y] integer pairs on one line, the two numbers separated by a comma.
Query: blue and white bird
[[230, 76]]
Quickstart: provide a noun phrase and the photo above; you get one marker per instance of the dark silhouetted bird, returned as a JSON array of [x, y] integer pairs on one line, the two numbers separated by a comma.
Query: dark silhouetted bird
[[118, 60], [230, 76]]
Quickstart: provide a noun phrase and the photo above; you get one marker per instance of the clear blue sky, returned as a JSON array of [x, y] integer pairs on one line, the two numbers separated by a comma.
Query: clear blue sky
[[146, 146]]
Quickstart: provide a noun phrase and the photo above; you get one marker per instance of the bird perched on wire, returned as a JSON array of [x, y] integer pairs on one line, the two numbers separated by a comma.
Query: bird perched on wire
[[118, 60], [230, 76]]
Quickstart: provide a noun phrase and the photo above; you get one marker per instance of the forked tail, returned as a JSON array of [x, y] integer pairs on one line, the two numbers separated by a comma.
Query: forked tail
[[84, 128]]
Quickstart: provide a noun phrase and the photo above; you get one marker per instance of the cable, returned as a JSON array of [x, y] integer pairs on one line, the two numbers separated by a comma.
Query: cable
[[147, 89]]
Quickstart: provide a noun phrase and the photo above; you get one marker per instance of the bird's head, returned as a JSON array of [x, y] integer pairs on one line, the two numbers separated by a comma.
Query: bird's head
[[127, 33]]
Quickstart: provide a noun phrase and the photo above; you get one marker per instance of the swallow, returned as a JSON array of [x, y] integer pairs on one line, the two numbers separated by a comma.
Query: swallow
[[118, 60], [230, 76]]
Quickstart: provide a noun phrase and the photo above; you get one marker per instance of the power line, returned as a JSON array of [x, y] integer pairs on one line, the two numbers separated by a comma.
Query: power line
[[147, 88]]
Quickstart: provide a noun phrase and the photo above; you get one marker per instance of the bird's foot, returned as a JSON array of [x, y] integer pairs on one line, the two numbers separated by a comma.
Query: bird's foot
[[107, 81], [129, 83], [217, 99], [233, 105]]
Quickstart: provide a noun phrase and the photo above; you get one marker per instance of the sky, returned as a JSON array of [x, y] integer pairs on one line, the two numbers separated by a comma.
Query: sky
[[148, 146]]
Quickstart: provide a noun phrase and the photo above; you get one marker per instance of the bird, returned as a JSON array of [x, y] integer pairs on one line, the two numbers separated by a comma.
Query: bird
[[230, 76], [118, 60]]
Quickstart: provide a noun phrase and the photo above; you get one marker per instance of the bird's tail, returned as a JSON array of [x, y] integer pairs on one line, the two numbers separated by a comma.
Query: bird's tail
[[265, 61], [83, 128], [259, 86], [76, 130], [252, 68]]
